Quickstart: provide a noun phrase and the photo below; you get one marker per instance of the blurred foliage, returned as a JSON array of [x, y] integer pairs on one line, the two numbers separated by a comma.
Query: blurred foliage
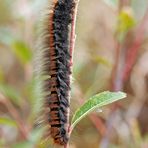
[[6, 121], [5, 15], [24, 54], [98, 31], [11, 93], [126, 22], [113, 3], [1, 75]]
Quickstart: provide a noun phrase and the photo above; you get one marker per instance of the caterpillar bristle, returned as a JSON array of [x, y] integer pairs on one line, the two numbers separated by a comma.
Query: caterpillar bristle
[[55, 68]]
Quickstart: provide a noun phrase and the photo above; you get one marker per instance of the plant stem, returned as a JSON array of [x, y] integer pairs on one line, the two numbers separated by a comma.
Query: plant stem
[[72, 40], [133, 50], [73, 26], [13, 112]]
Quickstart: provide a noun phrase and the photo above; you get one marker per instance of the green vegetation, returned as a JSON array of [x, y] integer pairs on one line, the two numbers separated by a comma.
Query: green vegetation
[[110, 54]]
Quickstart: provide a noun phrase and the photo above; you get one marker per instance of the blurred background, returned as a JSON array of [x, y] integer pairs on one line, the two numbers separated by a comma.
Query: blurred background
[[110, 54]]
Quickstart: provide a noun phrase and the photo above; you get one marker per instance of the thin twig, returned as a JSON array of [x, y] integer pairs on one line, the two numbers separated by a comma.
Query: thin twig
[[133, 50], [73, 26], [95, 120], [98, 123], [72, 40], [114, 70], [13, 112]]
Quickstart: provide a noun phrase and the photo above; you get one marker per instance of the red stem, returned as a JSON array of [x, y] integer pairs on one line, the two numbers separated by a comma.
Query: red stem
[[130, 57], [133, 50], [95, 120], [72, 34], [114, 71], [98, 124], [72, 41]]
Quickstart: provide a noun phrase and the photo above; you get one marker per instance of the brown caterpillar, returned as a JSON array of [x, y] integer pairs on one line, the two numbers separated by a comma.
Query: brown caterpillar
[[57, 62]]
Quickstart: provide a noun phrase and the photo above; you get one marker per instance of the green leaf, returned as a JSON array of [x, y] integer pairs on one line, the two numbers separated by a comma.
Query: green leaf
[[7, 121], [11, 93], [94, 102], [22, 51]]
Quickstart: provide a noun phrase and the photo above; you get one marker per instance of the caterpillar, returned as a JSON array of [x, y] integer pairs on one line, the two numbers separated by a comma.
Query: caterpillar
[[57, 64]]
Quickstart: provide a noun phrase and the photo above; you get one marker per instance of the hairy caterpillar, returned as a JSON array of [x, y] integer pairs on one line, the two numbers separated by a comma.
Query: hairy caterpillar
[[57, 62]]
